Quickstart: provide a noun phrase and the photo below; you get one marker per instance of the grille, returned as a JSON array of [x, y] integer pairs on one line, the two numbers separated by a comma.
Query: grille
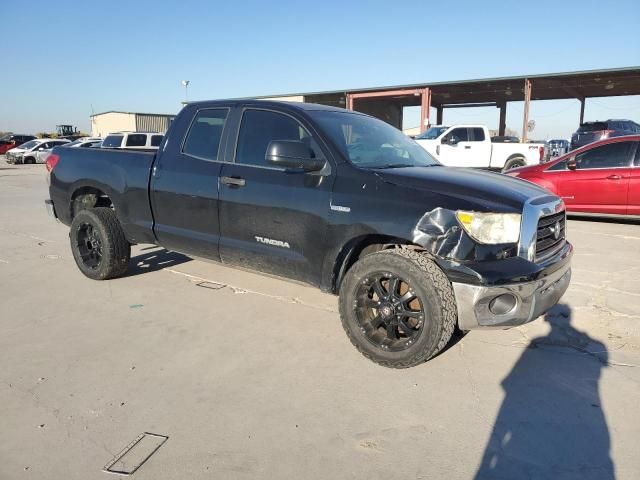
[[546, 242]]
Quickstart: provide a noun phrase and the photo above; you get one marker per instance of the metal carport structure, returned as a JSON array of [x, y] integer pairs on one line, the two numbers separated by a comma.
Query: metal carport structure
[[388, 102]]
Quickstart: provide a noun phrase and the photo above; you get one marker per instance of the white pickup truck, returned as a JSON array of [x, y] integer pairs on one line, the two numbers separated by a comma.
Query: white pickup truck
[[471, 146]]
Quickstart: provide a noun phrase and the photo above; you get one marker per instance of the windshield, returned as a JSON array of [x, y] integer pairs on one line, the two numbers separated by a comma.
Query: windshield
[[371, 143], [432, 133], [29, 144]]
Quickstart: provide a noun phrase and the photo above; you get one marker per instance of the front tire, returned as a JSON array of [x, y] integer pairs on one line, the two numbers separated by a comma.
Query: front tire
[[98, 244], [397, 307]]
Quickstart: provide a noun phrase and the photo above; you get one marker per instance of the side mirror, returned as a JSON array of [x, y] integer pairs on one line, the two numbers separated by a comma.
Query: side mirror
[[292, 154], [571, 163]]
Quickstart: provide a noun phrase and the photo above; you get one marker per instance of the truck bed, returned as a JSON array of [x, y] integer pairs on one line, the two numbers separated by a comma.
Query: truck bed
[[123, 175]]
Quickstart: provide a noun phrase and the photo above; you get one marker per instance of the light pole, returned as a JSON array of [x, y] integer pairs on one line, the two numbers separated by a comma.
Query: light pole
[[185, 84]]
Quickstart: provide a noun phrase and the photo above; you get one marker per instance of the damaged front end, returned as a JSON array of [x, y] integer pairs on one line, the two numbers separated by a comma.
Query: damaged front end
[[440, 233]]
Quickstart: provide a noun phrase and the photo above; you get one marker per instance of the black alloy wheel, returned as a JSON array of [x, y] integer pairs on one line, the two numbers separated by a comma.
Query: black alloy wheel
[[89, 246], [389, 312]]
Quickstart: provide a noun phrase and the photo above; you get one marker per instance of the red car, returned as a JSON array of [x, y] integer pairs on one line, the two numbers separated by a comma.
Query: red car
[[12, 141], [602, 178]]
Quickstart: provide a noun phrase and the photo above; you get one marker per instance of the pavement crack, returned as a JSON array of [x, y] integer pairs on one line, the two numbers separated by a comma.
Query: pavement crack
[[239, 290]]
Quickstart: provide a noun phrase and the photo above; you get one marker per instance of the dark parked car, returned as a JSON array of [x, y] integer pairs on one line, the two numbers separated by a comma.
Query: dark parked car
[[329, 197], [12, 141], [592, 131]]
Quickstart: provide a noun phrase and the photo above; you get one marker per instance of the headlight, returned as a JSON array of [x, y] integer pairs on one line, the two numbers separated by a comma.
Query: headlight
[[491, 228]]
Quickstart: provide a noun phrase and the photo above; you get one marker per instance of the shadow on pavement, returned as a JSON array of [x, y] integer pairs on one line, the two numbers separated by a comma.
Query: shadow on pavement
[[551, 423], [155, 260]]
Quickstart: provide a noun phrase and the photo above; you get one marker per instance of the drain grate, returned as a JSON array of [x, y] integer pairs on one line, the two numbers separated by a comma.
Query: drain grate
[[211, 285], [135, 454]]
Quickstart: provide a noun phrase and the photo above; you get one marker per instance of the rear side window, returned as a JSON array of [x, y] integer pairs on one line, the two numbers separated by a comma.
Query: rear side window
[[156, 140], [136, 140], [259, 128], [477, 135], [203, 139], [112, 141], [613, 155]]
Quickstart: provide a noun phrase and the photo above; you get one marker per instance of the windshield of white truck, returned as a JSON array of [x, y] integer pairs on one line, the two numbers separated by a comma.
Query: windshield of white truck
[[371, 143], [432, 133]]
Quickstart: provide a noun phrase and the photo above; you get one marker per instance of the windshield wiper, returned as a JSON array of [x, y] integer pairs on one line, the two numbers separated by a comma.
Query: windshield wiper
[[396, 165], [402, 165]]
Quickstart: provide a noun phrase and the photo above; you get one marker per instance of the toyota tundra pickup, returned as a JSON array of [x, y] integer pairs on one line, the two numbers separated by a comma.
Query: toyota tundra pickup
[[332, 198]]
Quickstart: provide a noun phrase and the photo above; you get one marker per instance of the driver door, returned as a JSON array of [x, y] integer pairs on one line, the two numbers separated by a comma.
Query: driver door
[[273, 220], [459, 153], [600, 181]]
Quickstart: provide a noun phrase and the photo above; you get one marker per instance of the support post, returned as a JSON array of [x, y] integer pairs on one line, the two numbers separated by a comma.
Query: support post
[[582, 101], [424, 109], [439, 111], [349, 101], [527, 101], [502, 124]]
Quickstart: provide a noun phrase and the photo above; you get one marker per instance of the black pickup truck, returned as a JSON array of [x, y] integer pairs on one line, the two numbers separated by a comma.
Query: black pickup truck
[[332, 198]]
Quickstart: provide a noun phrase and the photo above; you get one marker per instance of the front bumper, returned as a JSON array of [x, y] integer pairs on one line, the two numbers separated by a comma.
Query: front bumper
[[531, 299]]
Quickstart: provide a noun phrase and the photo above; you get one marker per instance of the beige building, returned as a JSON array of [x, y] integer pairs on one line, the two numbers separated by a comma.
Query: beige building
[[112, 121]]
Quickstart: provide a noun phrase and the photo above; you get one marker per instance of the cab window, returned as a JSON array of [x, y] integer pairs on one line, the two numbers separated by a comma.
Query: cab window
[[259, 128], [613, 155], [136, 140], [205, 133], [460, 134]]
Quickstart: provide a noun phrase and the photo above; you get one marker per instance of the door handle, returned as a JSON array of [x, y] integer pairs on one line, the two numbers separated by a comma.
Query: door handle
[[615, 177], [233, 181], [467, 146]]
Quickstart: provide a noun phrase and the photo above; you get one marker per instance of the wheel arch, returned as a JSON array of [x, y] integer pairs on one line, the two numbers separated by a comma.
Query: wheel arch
[[88, 196], [360, 246]]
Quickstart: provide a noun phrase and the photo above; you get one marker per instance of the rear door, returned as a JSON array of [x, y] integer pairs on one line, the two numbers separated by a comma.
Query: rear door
[[600, 182], [273, 220], [184, 185], [479, 148]]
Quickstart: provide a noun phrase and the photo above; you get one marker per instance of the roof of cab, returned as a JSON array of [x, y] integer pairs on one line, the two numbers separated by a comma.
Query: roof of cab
[[267, 103]]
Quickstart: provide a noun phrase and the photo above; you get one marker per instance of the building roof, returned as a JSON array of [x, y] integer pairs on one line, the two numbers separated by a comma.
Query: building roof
[[134, 113]]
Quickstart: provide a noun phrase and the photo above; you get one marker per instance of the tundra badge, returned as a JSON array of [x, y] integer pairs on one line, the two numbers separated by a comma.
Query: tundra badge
[[275, 243]]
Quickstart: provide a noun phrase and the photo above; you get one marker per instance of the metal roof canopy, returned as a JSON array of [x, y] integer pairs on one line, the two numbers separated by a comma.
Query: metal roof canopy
[[496, 92]]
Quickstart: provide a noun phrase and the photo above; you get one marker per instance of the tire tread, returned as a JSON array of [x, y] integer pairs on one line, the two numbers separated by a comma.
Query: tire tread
[[449, 312]]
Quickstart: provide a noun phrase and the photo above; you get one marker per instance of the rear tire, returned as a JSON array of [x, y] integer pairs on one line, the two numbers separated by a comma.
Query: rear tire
[[514, 163], [387, 330], [98, 244]]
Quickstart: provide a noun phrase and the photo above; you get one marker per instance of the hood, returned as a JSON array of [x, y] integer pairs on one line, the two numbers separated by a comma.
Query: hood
[[17, 151], [484, 190]]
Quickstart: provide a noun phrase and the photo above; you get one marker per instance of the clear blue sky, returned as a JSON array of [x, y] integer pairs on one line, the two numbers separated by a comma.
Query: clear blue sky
[[64, 59]]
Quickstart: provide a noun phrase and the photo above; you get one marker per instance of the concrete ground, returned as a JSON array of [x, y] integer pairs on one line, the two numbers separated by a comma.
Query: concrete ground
[[253, 377]]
